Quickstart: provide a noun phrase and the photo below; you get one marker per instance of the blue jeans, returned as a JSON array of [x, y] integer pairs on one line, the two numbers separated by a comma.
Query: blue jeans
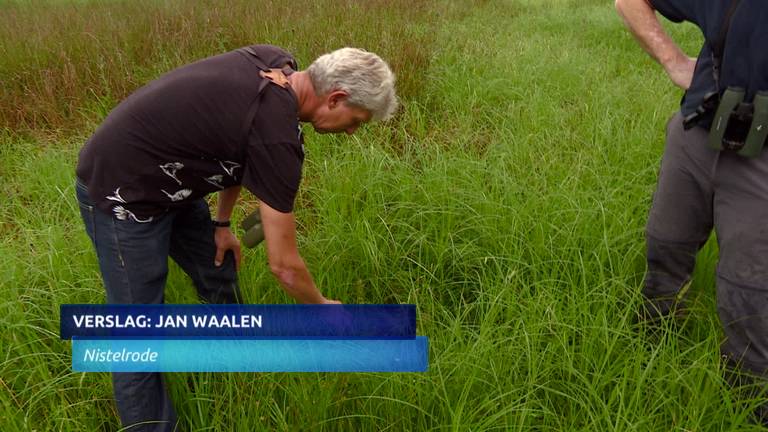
[[133, 259]]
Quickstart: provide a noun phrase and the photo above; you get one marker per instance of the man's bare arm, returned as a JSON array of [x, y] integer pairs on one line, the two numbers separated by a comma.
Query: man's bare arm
[[226, 202], [641, 19], [284, 259]]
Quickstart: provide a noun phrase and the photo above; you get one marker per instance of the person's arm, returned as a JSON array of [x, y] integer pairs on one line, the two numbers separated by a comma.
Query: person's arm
[[640, 17], [224, 237], [284, 259]]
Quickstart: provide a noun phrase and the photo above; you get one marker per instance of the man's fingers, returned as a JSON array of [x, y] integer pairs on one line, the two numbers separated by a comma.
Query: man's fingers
[[681, 73], [219, 256]]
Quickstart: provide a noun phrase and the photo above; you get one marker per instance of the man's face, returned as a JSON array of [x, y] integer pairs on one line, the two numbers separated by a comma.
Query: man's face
[[336, 116]]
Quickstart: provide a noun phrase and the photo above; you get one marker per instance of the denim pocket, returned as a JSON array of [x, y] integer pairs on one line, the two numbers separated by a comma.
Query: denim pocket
[[86, 211]]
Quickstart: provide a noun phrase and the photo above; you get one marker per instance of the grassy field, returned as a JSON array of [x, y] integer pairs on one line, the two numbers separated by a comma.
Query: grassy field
[[507, 200]]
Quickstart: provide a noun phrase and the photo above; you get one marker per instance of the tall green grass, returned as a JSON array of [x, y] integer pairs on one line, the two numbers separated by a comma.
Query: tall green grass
[[66, 64], [506, 200]]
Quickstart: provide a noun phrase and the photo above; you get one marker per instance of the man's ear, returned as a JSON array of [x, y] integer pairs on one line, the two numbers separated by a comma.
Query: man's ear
[[336, 97]]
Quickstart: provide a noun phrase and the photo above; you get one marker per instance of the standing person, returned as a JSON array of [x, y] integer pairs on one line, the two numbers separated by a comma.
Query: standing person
[[701, 187], [215, 125]]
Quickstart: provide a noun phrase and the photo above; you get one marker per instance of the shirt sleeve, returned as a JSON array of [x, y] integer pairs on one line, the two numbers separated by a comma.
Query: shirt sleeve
[[679, 10], [274, 154]]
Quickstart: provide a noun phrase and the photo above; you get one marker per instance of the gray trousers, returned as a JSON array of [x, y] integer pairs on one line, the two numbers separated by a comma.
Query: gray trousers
[[700, 188]]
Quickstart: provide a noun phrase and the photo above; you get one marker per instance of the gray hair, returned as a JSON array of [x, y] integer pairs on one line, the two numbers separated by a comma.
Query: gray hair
[[365, 77]]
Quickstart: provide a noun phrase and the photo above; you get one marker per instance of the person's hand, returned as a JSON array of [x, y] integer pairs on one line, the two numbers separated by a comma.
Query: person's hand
[[226, 240], [681, 70], [328, 301]]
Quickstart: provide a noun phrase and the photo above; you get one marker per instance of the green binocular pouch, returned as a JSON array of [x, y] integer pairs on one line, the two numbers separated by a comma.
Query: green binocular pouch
[[740, 126], [254, 231]]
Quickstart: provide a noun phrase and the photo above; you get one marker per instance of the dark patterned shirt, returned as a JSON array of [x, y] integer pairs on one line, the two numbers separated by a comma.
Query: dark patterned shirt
[[745, 58], [198, 129]]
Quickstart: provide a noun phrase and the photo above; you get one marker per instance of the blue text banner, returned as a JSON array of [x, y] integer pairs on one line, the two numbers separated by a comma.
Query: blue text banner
[[249, 321], [250, 355]]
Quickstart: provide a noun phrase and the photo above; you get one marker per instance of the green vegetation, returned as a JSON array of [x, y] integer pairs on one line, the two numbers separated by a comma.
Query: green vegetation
[[506, 200]]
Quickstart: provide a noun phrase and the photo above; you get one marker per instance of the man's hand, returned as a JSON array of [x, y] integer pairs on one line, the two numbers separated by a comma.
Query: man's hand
[[226, 240], [681, 71], [641, 19]]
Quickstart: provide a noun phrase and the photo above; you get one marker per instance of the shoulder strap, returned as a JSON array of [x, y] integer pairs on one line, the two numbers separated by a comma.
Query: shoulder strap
[[270, 75], [718, 47], [251, 55]]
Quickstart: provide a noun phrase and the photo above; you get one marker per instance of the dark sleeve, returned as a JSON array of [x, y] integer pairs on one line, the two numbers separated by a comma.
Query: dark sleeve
[[680, 10], [274, 154]]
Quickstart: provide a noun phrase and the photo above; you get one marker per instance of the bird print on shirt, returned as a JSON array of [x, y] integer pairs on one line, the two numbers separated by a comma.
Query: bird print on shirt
[[171, 168], [121, 213], [215, 180], [116, 197], [229, 167], [178, 195]]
